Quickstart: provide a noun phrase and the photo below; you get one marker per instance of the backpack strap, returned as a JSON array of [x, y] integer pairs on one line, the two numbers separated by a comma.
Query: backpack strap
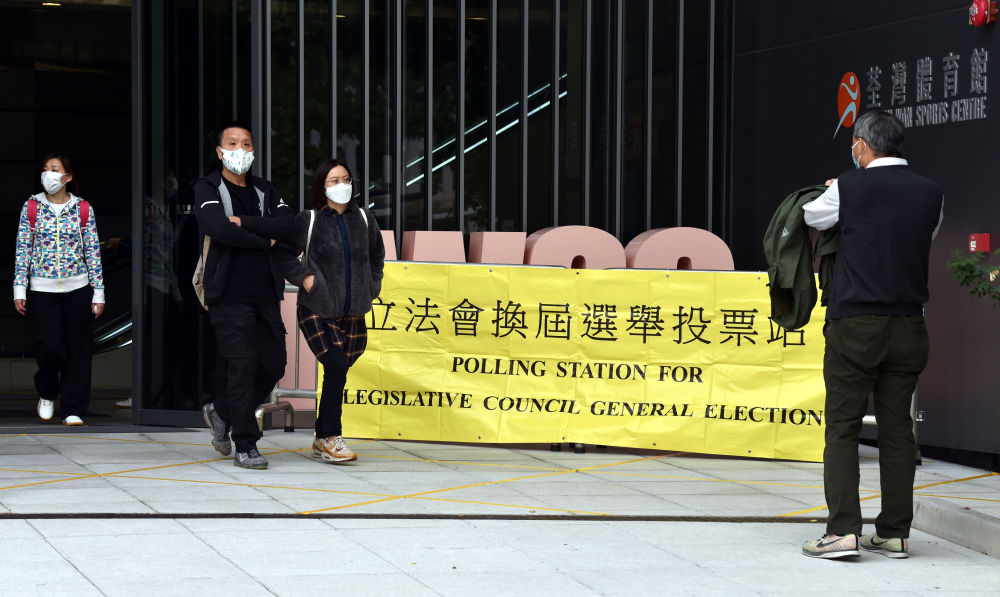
[[364, 216], [312, 219], [260, 199], [227, 201], [32, 213], [84, 214]]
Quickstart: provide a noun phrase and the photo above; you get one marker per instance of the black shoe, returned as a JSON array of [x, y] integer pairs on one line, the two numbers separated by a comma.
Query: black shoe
[[220, 433], [250, 459]]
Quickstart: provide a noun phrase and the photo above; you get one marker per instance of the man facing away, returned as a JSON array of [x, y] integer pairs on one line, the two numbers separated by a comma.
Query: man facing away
[[876, 337], [243, 288]]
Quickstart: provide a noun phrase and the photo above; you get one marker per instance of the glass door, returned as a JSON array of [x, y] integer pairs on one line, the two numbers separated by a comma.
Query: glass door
[[195, 77]]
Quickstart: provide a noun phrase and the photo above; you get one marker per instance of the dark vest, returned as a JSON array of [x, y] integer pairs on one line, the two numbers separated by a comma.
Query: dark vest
[[887, 216]]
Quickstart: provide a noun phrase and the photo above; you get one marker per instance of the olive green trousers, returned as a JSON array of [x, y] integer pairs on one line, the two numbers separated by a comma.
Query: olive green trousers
[[881, 356]]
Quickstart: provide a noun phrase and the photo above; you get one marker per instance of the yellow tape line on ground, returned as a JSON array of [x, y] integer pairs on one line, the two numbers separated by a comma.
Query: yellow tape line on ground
[[871, 497]]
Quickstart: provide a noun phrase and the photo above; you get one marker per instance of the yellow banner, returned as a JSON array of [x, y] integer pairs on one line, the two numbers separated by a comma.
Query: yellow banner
[[670, 360]]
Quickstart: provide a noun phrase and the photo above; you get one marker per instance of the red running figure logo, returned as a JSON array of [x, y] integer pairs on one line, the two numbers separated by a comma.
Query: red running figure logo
[[847, 101]]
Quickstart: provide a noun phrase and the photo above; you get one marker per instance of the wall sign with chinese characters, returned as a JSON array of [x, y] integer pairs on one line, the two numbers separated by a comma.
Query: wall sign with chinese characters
[[673, 360], [942, 89]]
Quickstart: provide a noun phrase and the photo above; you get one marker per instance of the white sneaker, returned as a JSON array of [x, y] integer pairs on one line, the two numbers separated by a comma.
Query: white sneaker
[[127, 403], [73, 421], [45, 408]]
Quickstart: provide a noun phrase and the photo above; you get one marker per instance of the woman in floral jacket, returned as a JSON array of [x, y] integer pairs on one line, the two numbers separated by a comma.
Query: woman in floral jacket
[[58, 277]]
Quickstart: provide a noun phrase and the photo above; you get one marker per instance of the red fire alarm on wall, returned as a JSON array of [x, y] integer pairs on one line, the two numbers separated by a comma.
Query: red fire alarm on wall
[[982, 12], [979, 242]]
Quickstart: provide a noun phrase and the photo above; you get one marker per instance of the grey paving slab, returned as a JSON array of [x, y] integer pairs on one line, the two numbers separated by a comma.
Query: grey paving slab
[[471, 508], [21, 449], [22, 551], [103, 569], [422, 480], [493, 491], [391, 506], [259, 506], [206, 527], [443, 557], [53, 462], [666, 579], [168, 491], [669, 487], [60, 579], [746, 505], [64, 493], [120, 527], [345, 583], [620, 505], [295, 552], [459, 453], [314, 492], [178, 587], [454, 558], [389, 466], [121, 507], [769, 474], [582, 486], [483, 584], [17, 529], [34, 481], [989, 485], [164, 547], [181, 477]]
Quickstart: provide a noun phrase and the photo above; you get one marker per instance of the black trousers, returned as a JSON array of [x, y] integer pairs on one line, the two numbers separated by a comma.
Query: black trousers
[[331, 407], [251, 338], [65, 326], [882, 356]]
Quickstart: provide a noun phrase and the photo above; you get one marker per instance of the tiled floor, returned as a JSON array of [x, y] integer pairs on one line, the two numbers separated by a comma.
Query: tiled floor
[[178, 473]]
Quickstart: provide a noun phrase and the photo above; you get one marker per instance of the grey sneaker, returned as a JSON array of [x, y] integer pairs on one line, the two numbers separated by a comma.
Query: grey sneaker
[[220, 433], [890, 548], [250, 459], [832, 546]]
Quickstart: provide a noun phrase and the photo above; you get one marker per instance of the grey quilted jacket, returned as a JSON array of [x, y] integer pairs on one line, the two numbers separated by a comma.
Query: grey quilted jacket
[[326, 261]]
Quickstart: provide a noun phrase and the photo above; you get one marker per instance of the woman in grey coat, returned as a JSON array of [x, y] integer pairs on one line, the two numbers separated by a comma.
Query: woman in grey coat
[[339, 276]]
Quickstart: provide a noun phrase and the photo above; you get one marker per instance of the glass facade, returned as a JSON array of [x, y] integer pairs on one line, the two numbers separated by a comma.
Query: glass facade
[[470, 115], [64, 76]]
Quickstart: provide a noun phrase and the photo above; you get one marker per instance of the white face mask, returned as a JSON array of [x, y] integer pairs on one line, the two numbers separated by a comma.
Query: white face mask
[[857, 164], [52, 181], [237, 161], [340, 193]]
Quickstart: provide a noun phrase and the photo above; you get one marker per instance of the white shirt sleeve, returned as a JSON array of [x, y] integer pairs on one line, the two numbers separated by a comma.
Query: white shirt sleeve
[[824, 211], [940, 219]]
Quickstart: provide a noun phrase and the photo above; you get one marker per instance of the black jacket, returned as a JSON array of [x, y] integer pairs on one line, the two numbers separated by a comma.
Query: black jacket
[[326, 260], [789, 253], [227, 237]]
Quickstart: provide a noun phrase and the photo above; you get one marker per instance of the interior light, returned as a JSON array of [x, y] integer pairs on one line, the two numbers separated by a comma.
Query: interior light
[[51, 3], [341, 16], [478, 19]]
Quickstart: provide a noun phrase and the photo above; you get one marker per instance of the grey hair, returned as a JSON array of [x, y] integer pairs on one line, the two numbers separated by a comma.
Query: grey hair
[[882, 131]]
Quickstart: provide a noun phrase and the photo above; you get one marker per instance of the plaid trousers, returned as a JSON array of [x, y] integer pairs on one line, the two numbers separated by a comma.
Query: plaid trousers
[[350, 334]]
